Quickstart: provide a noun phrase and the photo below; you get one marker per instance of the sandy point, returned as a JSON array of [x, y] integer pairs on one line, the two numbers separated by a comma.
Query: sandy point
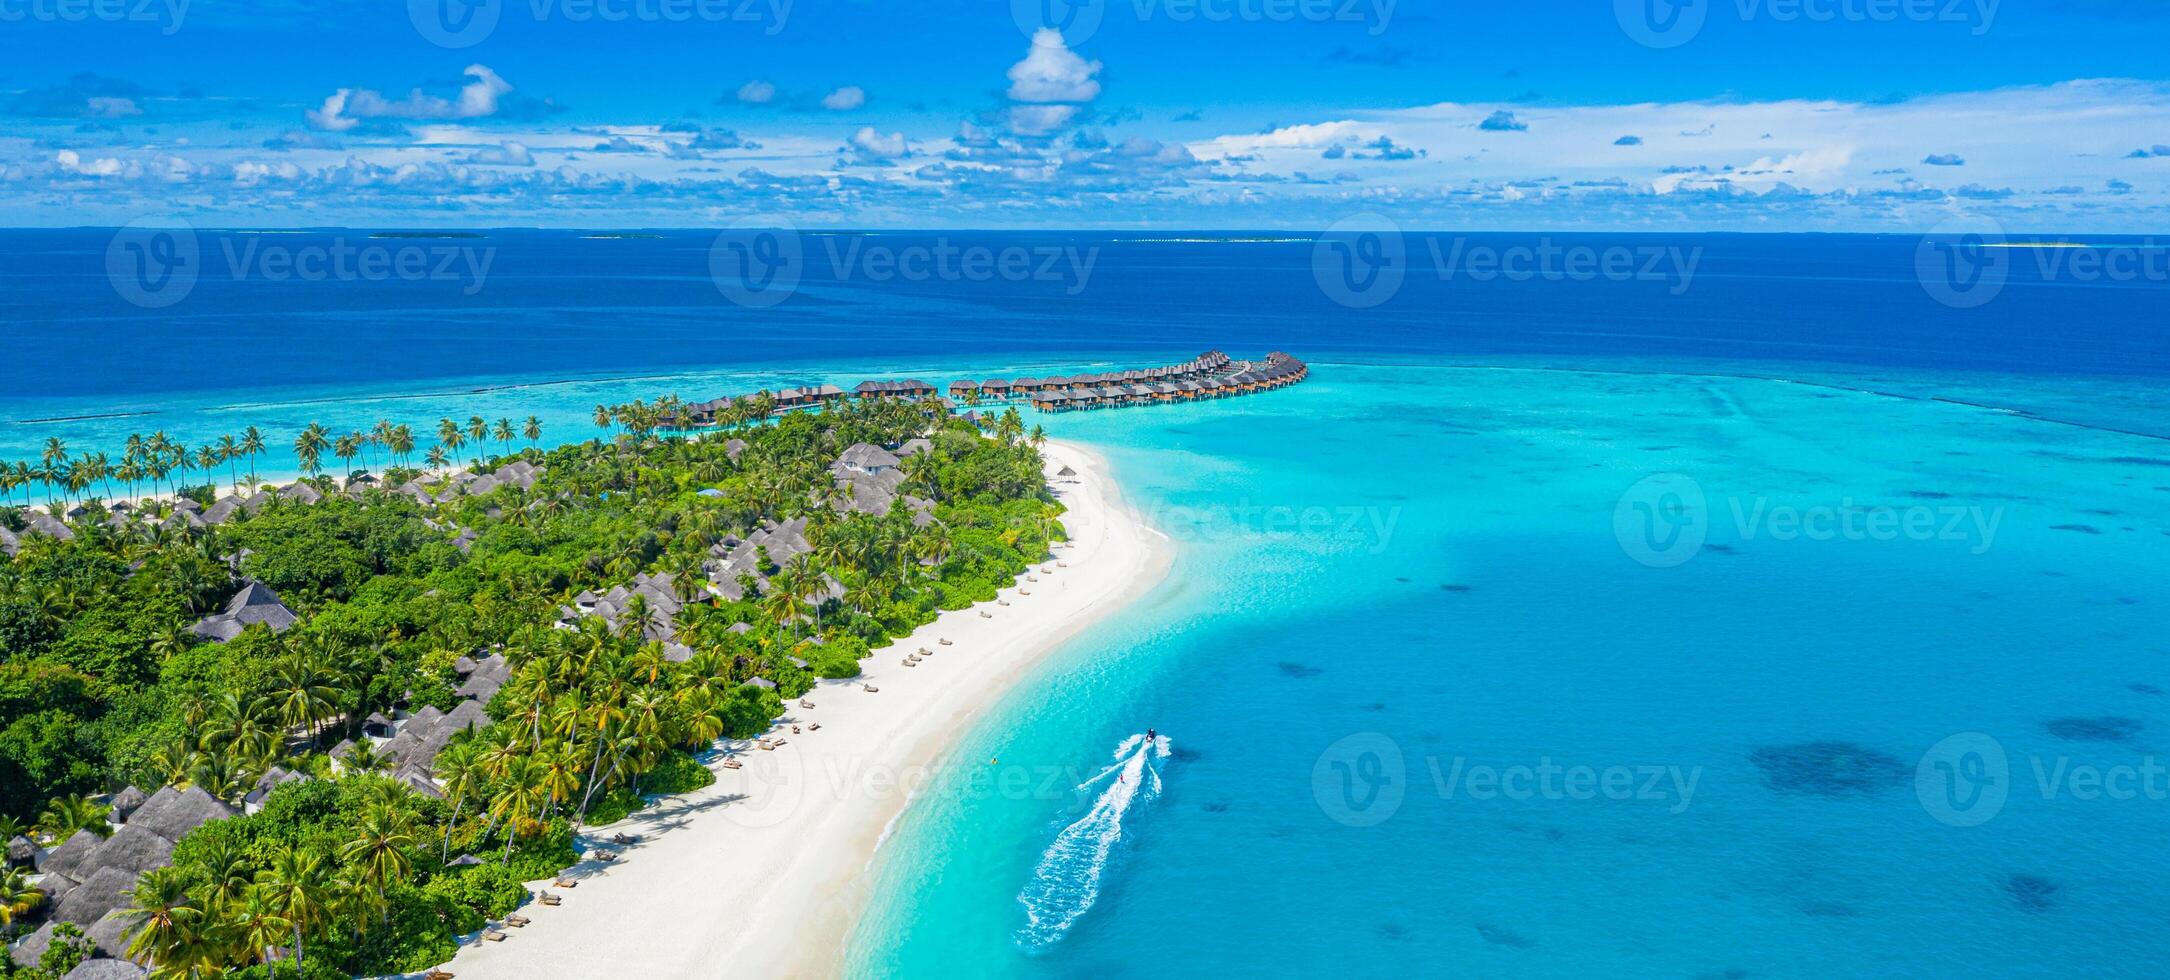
[[764, 873]]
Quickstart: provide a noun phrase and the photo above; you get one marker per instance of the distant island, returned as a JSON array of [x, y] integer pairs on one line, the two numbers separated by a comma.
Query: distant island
[[426, 234], [613, 236]]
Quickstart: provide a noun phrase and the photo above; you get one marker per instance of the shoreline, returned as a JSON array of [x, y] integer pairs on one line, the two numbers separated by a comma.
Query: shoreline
[[773, 881]]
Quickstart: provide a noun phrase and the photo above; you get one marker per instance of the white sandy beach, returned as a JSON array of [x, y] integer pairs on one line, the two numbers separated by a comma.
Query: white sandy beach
[[764, 873]]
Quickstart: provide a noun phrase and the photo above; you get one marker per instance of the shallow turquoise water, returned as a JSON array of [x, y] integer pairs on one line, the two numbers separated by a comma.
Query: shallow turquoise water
[[1462, 596]]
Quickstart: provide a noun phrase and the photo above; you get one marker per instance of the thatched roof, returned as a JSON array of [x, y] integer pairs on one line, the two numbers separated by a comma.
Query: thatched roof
[[254, 605], [22, 851], [464, 861], [172, 813], [72, 856], [100, 893], [106, 969], [10, 545], [134, 850], [867, 458], [32, 947], [127, 800], [763, 683], [110, 934]]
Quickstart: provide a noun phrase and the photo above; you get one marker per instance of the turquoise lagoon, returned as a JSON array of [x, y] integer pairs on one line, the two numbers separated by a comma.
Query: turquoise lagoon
[[1433, 582]]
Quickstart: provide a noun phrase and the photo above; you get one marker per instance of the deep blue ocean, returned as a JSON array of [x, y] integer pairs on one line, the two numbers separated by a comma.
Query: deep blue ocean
[[1788, 607]]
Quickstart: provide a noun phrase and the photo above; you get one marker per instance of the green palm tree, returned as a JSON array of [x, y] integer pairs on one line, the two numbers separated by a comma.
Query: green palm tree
[[252, 445], [461, 769], [17, 897], [378, 850], [67, 814], [298, 887], [166, 926], [256, 925]]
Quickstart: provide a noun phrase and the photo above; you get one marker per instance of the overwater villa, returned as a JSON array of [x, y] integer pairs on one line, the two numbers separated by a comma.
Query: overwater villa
[[1214, 375], [1209, 375]]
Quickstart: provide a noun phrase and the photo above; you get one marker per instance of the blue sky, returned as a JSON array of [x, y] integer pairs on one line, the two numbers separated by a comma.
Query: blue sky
[[1720, 114]]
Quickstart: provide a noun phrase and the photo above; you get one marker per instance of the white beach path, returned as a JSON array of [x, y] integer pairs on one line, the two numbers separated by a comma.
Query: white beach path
[[764, 873]]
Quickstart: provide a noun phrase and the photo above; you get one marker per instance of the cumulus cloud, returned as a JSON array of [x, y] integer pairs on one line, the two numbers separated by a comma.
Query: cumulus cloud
[[874, 144], [844, 99], [1503, 122], [757, 92], [1628, 141], [74, 163], [1051, 72], [506, 154], [1944, 160], [2158, 150], [346, 109]]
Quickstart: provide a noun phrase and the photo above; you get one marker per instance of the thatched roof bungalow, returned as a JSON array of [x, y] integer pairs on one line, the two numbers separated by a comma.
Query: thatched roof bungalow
[[254, 605]]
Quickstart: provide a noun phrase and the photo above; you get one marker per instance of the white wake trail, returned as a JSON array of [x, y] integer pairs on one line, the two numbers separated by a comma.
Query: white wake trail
[[1067, 880]]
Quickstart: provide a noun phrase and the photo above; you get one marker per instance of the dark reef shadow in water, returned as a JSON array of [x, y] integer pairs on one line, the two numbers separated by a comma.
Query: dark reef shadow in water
[[1828, 768], [2104, 729], [1503, 937], [2032, 893], [1290, 668]]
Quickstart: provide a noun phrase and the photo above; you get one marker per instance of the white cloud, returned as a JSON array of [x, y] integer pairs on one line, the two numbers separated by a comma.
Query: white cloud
[[1051, 72], [757, 92], [844, 99], [1039, 120], [345, 109], [74, 163], [874, 143], [506, 154]]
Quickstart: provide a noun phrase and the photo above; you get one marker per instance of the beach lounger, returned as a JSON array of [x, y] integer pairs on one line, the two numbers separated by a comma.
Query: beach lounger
[[437, 975], [945, 642], [870, 689], [794, 729], [814, 727], [549, 899], [1023, 592], [984, 614], [516, 921], [567, 883], [623, 839], [805, 703], [911, 663], [492, 936], [1002, 602], [734, 764]]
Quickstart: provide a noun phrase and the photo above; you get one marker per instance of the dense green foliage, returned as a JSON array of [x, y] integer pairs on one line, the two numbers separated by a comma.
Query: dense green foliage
[[101, 683]]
